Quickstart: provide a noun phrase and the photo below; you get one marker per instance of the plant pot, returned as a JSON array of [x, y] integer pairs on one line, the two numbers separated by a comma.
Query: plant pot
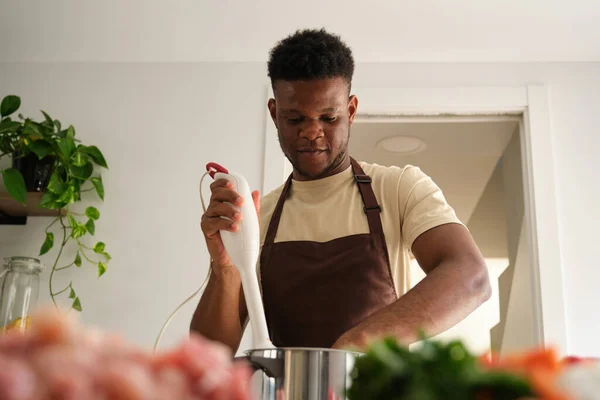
[[36, 172]]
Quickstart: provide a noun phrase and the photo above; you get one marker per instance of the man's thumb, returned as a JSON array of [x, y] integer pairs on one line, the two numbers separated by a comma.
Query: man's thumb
[[256, 198]]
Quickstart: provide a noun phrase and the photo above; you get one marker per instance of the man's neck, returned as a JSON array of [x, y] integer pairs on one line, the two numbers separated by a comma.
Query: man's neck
[[334, 169]]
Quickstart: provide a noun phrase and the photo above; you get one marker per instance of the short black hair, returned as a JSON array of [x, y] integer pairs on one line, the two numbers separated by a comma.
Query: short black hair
[[311, 54]]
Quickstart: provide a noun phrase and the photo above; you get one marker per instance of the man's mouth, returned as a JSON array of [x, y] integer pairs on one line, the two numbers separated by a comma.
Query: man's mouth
[[311, 152]]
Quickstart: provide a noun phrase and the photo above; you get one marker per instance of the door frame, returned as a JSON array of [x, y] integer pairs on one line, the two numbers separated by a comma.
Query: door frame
[[528, 103]]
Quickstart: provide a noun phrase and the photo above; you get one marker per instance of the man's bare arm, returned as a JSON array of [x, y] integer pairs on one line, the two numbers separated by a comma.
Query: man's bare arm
[[221, 314], [456, 284]]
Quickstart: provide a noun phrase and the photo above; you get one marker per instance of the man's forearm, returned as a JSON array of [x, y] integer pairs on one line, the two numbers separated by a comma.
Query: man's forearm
[[217, 316], [446, 296]]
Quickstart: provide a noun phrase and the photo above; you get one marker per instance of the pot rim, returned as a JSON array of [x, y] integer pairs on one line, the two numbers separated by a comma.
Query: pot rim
[[304, 349]]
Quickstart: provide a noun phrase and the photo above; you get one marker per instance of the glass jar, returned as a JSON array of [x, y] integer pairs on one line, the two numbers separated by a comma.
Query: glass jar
[[20, 289]]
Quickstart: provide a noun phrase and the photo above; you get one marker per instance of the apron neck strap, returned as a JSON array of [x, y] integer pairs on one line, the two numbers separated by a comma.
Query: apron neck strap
[[370, 205]]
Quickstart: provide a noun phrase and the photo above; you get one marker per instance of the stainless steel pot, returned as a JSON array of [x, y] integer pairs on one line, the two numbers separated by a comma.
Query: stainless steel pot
[[301, 373]]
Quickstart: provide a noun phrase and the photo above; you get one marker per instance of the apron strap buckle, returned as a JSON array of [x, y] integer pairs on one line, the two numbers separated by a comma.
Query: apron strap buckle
[[367, 209], [362, 178]]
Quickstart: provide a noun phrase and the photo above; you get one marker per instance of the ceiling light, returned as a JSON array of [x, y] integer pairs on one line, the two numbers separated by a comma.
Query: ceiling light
[[402, 144]]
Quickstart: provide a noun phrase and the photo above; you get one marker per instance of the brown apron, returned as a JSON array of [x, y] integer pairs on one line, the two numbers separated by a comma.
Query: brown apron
[[314, 292]]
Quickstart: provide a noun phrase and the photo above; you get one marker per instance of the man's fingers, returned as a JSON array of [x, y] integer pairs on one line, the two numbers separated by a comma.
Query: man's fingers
[[217, 209], [221, 183], [221, 194], [211, 225]]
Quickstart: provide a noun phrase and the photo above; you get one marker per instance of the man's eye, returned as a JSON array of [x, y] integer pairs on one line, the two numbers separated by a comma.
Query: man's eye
[[295, 120], [329, 119]]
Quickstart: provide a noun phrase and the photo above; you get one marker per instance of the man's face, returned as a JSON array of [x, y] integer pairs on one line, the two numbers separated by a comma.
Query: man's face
[[313, 121]]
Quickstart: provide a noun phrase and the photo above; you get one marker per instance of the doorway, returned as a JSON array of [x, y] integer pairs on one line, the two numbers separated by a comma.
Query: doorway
[[476, 161]]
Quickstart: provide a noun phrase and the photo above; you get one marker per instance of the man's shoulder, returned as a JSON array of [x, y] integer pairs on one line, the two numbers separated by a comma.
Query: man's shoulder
[[269, 201], [390, 173]]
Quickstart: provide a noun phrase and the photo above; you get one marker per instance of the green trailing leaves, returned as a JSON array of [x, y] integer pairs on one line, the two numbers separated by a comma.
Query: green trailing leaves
[[48, 243], [91, 227], [77, 261], [66, 147], [70, 134], [31, 129], [83, 172], [15, 184], [77, 229], [9, 105], [74, 166], [99, 248], [41, 148], [77, 304], [95, 155], [49, 121], [51, 201], [101, 269], [68, 196], [7, 126], [79, 159], [48, 200], [99, 186], [92, 213], [56, 185]]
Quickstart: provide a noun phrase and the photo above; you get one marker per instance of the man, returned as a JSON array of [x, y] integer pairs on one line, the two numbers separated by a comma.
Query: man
[[334, 264]]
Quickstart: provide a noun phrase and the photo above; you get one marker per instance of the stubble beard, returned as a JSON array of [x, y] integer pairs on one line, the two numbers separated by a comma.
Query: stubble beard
[[334, 164]]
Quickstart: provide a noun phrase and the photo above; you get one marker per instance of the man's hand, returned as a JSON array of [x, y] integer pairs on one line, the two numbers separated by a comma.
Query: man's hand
[[212, 223], [221, 314]]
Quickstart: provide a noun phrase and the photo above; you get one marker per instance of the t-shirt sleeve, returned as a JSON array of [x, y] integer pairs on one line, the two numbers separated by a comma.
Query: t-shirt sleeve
[[422, 205]]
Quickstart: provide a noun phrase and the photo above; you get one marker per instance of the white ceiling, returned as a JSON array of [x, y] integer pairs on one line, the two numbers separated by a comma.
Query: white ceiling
[[460, 156], [237, 30]]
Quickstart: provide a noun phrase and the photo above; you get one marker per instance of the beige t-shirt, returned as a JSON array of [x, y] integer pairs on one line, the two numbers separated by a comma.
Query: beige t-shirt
[[330, 208]]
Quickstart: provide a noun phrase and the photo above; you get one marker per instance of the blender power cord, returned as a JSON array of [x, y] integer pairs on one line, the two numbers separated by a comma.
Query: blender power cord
[[168, 321]]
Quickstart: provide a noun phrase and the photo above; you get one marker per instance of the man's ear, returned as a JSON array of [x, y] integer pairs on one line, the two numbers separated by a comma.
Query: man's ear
[[272, 105], [352, 107]]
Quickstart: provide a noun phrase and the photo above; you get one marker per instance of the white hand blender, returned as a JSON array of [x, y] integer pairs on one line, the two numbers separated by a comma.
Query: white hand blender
[[243, 248]]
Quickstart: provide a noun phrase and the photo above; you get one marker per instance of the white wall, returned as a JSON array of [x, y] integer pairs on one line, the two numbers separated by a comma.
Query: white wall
[[487, 224], [160, 123], [158, 126], [519, 326]]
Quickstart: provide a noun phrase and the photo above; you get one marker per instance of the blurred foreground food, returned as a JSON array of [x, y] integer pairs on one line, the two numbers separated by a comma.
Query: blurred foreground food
[[439, 370], [56, 359]]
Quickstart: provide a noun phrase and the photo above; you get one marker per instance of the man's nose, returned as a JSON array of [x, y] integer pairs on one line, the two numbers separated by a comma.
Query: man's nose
[[311, 130]]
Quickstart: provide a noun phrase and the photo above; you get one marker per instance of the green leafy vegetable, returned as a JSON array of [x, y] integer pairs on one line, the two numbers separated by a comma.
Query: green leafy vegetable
[[435, 371]]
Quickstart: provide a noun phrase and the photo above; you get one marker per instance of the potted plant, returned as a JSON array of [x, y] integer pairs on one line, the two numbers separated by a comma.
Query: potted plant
[[52, 160]]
